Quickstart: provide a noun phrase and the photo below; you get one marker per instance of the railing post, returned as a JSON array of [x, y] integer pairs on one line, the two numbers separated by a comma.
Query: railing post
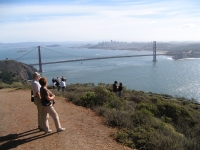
[[154, 51], [40, 60]]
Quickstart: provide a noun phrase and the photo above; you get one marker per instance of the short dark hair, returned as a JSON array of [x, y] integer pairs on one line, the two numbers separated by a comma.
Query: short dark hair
[[43, 81]]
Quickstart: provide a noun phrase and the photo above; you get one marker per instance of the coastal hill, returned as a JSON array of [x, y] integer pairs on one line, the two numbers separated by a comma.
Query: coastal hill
[[11, 69]]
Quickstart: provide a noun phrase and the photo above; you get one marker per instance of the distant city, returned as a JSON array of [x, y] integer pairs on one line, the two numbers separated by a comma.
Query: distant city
[[177, 50], [115, 45]]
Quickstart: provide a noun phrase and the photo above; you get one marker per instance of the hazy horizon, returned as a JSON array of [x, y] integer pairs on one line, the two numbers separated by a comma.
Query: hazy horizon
[[96, 42], [97, 21]]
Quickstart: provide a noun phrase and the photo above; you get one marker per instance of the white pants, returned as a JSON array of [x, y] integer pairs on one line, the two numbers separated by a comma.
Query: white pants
[[52, 112]]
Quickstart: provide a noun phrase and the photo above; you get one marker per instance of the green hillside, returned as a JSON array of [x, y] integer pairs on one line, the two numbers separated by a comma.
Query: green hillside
[[146, 121]]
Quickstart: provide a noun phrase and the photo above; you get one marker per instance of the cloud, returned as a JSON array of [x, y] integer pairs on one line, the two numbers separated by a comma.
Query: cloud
[[152, 22], [86, 21], [188, 26], [173, 13]]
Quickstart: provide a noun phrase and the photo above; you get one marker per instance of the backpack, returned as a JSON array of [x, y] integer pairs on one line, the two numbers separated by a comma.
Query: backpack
[[32, 96]]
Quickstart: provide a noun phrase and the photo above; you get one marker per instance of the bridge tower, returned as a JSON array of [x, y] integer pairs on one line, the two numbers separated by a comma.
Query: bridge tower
[[40, 60], [154, 51]]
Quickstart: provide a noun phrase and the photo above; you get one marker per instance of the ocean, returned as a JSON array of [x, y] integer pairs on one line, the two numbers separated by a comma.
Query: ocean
[[166, 76]]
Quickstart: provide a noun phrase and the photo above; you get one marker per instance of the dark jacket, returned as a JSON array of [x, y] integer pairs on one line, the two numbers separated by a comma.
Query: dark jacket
[[114, 87]]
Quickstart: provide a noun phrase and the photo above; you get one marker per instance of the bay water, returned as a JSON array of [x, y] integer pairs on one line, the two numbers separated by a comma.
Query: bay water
[[166, 76]]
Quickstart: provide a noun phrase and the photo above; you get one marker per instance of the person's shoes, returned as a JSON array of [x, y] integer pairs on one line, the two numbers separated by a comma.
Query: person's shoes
[[60, 129], [49, 131]]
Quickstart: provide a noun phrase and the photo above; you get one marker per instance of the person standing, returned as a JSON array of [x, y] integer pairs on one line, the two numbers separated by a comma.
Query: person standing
[[63, 84], [58, 81], [53, 83], [37, 98], [62, 78], [47, 104], [120, 90], [115, 87]]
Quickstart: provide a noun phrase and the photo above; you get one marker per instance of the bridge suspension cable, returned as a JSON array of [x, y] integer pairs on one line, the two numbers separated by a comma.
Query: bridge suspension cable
[[79, 56], [59, 52], [26, 53]]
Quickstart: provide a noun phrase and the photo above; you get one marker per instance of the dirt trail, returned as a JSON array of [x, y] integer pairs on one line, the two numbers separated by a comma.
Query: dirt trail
[[18, 126]]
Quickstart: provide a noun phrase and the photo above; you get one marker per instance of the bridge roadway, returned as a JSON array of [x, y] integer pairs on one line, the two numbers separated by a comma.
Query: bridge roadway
[[96, 58]]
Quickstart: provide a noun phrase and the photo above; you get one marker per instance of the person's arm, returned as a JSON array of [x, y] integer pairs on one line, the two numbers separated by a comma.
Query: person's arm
[[49, 96], [38, 94]]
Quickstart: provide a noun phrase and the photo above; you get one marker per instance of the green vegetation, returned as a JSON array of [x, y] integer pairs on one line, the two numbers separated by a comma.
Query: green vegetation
[[12, 80], [16, 85], [145, 121]]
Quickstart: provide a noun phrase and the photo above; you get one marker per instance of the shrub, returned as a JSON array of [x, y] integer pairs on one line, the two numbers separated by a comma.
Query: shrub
[[137, 99], [116, 118], [122, 136], [142, 116], [74, 97], [150, 107], [89, 99], [4, 85], [115, 103], [17, 85], [101, 110], [173, 111], [103, 95], [130, 106], [145, 137]]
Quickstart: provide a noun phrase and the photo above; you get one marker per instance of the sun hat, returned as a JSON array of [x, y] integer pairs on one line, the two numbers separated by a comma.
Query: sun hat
[[35, 74]]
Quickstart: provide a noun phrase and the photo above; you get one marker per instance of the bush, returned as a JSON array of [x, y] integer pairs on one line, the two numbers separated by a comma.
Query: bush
[[116, 118], [89, 99], [146, 121], [74, 97], [150, 107], [173, 111], [17, 85], [115, 103], [103, 95], [145, 137], [122, 136], [9, 77], [4, 85], [101, 110]]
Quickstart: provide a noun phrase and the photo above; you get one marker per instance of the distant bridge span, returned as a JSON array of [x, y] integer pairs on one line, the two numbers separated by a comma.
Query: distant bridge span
[[96, 58], [40, 63]]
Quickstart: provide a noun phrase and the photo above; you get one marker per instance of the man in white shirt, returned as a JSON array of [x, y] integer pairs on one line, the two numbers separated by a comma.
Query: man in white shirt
[[63, 85], [37, 98]]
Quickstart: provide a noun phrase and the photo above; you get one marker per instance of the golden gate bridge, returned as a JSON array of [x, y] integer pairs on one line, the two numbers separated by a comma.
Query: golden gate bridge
[[39, 61]]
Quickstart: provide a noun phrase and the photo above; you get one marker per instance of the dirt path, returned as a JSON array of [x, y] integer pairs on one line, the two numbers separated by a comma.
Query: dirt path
[[18, 126]]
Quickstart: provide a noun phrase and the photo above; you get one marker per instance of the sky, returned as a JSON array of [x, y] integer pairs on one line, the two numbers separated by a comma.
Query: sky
[[99, 20]]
